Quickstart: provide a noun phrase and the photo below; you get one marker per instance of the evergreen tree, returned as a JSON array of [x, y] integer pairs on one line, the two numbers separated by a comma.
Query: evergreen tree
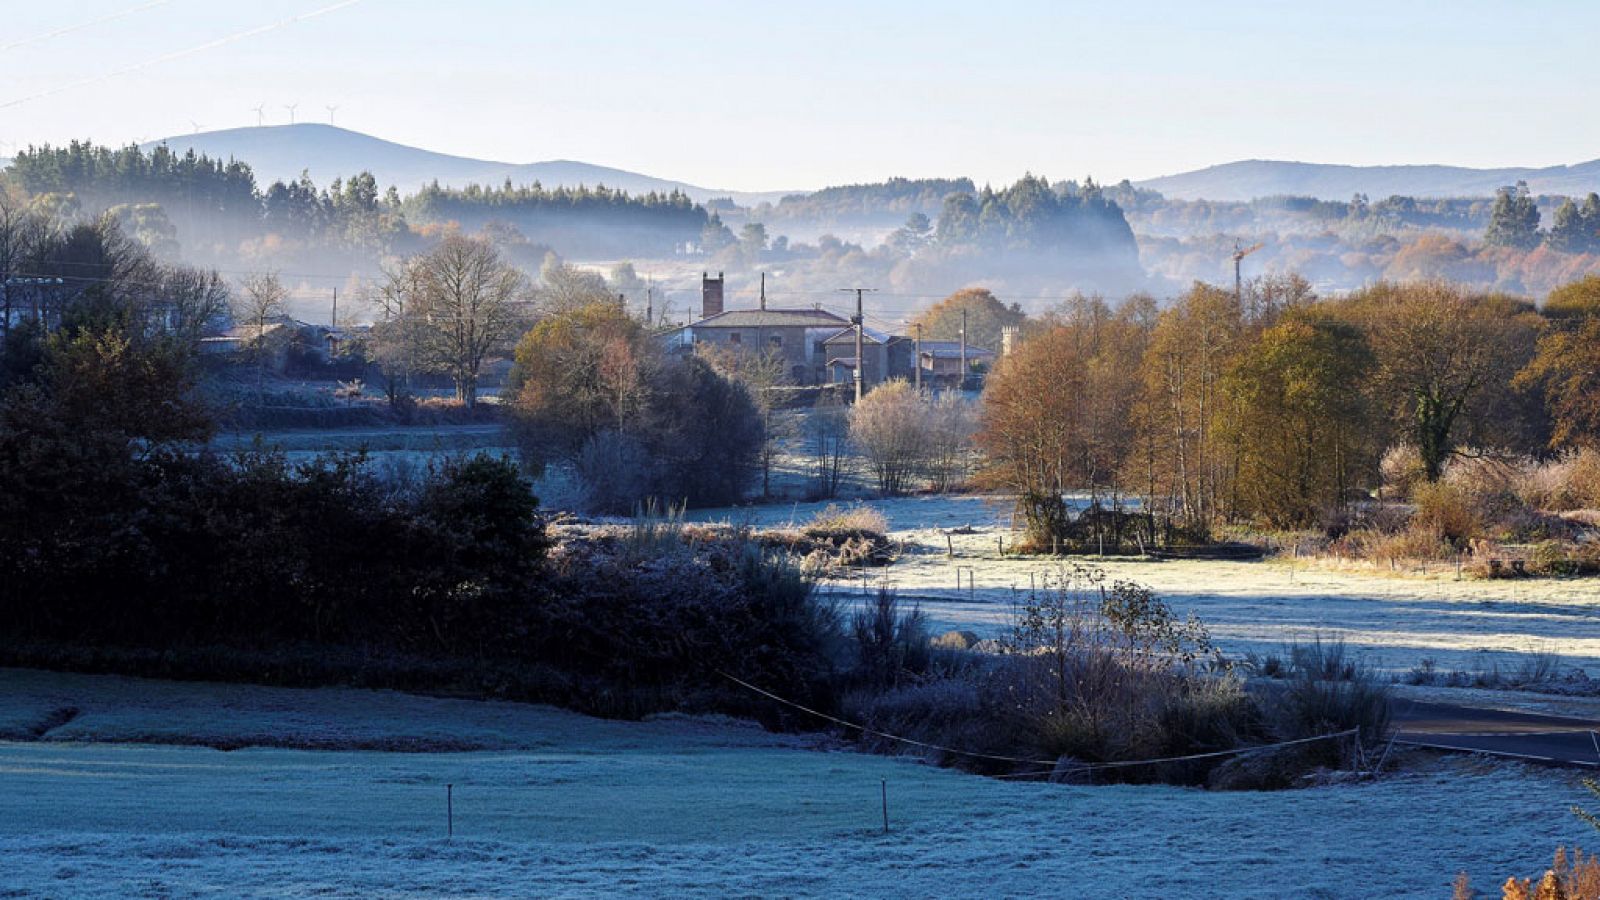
[[1568, 230], [1514, 220]]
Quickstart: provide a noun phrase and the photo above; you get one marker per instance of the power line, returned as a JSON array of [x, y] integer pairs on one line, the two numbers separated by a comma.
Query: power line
[[180, 54], [68, 29]]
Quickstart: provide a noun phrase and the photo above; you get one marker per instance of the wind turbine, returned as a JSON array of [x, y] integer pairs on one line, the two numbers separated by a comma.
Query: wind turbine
[[261, 115], [331, 110], [196, 126], [291, 107]]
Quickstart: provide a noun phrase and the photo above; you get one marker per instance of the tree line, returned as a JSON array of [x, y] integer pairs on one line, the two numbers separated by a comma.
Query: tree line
[[208, 198], [1214, 410]]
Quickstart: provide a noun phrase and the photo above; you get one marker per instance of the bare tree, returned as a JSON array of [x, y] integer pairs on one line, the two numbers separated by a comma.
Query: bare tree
[[952, 421], [21, 232], [890, 428], [759, 371], [393, 340], [827, 432], [196, 298], [469, 308], [261, 299], [564, 288]]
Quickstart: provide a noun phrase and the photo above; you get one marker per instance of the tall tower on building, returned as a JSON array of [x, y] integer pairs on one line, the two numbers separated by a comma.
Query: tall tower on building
[[710, 295], [1008, 339]]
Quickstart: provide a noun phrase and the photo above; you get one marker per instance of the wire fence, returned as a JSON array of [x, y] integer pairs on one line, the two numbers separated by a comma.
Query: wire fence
[[1054, 765]]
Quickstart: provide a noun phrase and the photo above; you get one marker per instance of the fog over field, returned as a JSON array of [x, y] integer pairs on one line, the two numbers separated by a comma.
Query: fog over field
[[906, 449]]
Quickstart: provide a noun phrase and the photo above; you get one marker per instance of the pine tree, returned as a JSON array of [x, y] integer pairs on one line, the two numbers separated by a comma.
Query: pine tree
[[1514, 220], [1569, 233]]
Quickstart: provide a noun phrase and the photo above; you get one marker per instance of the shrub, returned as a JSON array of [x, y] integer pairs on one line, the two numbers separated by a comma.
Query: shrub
[[852, 521], [1326, 693], [1584, 480], [1402, 470], [1446, 510], [1106, 672], [615, 471], [890, 644], [1570, 877], [649, 633]]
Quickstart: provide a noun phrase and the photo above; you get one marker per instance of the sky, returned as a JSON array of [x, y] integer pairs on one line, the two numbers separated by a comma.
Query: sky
[[762, 96]]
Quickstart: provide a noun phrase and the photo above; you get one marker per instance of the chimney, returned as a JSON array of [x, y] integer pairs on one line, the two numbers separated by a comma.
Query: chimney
[[1008, 339], [710, 295]]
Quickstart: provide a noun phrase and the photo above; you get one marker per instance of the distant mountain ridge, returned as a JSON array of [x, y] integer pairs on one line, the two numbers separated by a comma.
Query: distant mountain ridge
[[282, 152], [1248, 179]]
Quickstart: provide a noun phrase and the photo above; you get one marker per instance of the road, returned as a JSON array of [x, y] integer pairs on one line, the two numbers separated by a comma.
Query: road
[[1553, 739]]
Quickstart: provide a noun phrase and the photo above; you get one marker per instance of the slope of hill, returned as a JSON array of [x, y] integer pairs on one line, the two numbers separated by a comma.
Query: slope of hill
[[1247, 179], [281, 152]]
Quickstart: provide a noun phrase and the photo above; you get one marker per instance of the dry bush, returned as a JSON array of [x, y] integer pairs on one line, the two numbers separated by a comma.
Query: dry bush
[[1402, 470], [1484, 476], [1547, 484], [838, 538], [1570, 877], [1446, 510], [1409, 543], [852, 520], [1584, 480]]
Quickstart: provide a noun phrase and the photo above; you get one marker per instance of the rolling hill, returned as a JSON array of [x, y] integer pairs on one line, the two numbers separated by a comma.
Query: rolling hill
[[281, 152], [1248, 179]]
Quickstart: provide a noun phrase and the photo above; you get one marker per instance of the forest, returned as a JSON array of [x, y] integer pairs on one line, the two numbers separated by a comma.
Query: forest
[[1036, 240]]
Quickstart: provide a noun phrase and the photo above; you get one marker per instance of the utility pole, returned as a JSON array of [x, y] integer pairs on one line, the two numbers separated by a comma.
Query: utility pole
[[333, 317], [857, 320], [649, 306], [963, 381], [917, 356], [763, 290]]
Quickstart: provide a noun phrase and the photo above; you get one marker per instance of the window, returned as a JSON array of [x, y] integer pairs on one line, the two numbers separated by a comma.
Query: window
[[735, 338], [776, 340]]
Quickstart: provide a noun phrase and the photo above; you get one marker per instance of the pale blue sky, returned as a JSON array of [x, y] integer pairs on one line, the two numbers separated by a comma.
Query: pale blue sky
[[754, 95]]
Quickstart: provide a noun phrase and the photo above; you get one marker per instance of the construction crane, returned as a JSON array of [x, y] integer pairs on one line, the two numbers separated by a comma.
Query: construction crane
[[1239, 253]]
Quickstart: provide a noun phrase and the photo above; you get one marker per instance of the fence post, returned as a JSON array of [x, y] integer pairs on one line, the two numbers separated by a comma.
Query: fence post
[[450, 810], [885, 784]]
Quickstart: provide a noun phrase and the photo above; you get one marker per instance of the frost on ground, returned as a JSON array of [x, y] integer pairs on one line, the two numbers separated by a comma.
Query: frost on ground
[[1395, 622], [569, 805]]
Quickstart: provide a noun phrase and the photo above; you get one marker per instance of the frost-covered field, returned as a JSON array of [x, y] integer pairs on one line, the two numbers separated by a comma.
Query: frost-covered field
[[1395, 621], [559, 804]]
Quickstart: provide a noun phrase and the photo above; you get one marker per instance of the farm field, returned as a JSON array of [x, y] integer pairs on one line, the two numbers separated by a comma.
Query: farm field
[[131, 797], [1394, 620]]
